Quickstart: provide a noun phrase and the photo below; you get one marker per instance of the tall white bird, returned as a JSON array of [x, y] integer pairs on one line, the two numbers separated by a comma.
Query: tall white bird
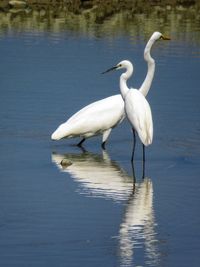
[[137, 108], [102, 116]]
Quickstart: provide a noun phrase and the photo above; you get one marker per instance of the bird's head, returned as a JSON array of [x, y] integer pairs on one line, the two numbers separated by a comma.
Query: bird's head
[[124, 64], [159, 36]]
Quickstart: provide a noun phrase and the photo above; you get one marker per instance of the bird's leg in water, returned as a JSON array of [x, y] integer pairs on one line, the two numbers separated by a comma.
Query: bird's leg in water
[[134, 141], [143, 163], [81, 142], [134, 179]]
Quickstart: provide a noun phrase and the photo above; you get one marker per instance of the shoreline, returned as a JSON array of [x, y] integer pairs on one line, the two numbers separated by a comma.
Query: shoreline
[[78, 5], [95, 18]]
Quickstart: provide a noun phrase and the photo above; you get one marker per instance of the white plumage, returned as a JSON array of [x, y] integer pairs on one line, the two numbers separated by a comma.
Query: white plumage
[[137, 108], [97, 118], [139, 114], [100, 117]]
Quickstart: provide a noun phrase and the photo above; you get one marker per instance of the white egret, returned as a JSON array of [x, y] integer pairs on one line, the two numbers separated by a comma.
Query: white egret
[[97, 118], [137, 108], [102, 116]]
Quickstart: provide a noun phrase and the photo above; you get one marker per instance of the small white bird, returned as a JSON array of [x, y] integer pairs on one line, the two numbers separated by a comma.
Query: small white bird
[[102, 116], [137, 108]]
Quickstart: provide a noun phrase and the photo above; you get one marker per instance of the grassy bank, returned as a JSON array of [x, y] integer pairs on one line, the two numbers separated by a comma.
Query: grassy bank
[[96, 17]]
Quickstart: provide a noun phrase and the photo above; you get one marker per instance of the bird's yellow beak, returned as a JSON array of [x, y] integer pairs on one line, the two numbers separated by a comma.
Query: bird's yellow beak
[[165, 37]]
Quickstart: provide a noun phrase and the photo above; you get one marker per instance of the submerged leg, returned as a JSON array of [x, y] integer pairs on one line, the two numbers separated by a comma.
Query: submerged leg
[[105, 137], [143, 162], [134, 179], [81, 142], [134, 141]]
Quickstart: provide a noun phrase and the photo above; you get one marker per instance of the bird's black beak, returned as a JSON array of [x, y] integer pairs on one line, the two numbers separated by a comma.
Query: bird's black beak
[[113, 68]]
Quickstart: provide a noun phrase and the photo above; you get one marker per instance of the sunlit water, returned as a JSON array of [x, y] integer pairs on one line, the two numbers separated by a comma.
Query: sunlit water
[[87, 211]]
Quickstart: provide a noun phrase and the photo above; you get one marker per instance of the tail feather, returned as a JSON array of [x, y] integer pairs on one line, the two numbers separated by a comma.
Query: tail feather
[[62, 131]]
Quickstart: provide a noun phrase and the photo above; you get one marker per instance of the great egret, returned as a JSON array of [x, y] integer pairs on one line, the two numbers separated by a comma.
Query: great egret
[[137, 108], [102, 116]]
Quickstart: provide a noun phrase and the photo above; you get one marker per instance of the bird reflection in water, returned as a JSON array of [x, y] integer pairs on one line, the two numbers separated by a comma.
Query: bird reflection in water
[[137, 230], [98, 175]]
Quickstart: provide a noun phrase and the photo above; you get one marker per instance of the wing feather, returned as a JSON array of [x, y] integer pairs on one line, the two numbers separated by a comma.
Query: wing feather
[[139, 114]]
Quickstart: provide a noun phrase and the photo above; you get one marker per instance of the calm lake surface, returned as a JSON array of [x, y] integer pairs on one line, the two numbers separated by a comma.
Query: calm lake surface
[[87, 214]]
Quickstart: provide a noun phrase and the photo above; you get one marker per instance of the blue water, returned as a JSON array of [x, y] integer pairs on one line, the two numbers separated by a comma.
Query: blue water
[[86, 214]]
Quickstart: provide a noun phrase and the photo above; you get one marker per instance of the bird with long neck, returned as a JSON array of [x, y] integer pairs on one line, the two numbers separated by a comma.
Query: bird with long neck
[[146, 85], [102, 116], [144, 89], [137, 108]]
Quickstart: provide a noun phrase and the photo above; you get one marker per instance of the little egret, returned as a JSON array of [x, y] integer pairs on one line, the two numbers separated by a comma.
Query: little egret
[[137, 108], [102, 116]]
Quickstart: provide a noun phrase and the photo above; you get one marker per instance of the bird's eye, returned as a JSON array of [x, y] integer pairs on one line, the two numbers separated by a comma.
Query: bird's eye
[[120, 65]]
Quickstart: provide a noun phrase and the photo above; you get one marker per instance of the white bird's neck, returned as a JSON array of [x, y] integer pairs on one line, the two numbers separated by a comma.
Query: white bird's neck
[[144, 89], [123, 79]]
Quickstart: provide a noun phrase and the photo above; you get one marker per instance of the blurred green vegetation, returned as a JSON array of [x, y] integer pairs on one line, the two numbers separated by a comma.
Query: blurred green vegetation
[[97, 18]]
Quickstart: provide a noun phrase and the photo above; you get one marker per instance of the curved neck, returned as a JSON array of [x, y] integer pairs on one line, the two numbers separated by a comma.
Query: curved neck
[[123, 79], [144, 89]]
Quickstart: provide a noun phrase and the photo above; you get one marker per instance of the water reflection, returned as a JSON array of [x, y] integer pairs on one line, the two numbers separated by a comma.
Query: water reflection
[[100, 19], [137, 230], [98, 175]]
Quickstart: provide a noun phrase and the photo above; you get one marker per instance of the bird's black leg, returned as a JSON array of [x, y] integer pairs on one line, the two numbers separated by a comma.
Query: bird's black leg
[[143, 163], [134, 141], [103, 145], [134, 179], [81, 142]]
